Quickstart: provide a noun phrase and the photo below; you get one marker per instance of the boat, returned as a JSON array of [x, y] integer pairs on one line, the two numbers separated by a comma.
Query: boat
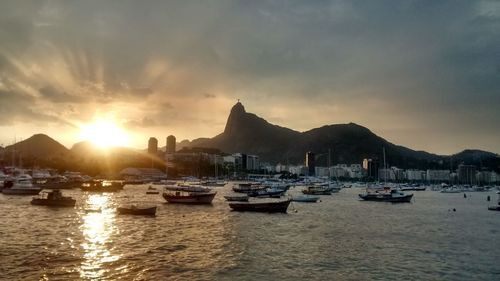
[[413, 188], [267, 192], [306, 198], [152, 190], [497, 207], [135, 210], [247, 187], [318, 190], [101, 186], [22, 185], [388, 195], [188, 194], [261, 205], [53, 198], [238, 197]]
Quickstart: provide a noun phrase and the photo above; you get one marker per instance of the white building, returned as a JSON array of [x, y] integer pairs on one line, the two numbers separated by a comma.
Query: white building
[[415, 175], [438, 175]]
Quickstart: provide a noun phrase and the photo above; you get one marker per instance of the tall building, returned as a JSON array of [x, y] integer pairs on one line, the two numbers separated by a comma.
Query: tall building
[[371, 166], [310, 163], [466, 174], [170, 144], [153, 146]]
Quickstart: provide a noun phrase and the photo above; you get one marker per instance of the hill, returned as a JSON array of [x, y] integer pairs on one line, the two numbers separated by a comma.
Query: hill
[[346, 143]]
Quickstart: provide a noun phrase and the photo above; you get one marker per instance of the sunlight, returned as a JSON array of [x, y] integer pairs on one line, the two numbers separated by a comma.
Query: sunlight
[[104, 133]]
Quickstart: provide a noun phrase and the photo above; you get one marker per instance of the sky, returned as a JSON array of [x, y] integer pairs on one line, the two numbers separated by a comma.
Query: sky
[[423, 74]]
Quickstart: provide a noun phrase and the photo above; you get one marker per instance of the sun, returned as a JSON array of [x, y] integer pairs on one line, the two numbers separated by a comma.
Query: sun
[[104, 133]]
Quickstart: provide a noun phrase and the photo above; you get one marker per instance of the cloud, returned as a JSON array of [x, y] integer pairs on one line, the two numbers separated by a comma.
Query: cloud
[[385, 64]]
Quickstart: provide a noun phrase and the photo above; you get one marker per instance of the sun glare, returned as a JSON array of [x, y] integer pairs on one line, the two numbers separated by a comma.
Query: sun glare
[[104, 134]]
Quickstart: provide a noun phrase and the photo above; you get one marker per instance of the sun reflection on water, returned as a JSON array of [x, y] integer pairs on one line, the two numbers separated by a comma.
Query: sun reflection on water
[[97, 228]]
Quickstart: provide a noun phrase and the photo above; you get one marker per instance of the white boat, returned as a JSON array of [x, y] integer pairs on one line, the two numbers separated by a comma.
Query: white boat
[[22, 185], [188, 194]]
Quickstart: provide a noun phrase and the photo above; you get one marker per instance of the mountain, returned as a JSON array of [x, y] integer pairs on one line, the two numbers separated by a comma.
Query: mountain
[[38, 146], [346, 143]]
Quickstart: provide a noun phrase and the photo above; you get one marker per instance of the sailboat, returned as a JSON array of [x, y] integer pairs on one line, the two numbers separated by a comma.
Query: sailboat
[[386, 194]]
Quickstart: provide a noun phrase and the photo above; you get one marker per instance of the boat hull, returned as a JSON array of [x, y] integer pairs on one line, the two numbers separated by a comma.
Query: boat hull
[[306, 199], [54, 203], [201, 198], [137, 211], [386, 198], [237, 198], [494, 208], [264, 207]]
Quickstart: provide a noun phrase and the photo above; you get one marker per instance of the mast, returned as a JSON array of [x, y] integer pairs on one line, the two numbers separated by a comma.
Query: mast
[[385, 168]]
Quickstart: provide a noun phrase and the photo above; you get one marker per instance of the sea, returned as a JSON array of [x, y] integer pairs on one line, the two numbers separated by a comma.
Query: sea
[[436, 237]]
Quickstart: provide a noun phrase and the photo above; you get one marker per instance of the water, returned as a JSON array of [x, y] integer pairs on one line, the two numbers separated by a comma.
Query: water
[[340, 238]]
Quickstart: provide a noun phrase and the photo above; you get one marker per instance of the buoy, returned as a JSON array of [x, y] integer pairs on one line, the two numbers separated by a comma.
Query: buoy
[[488, 198], [454, 210], [465, 195]]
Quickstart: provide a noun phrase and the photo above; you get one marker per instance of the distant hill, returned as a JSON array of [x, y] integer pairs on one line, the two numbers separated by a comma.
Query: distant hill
[[346, 143], [38, 146]]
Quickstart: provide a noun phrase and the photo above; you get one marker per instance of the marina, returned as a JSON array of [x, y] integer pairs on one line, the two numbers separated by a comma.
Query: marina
[[221, 244]]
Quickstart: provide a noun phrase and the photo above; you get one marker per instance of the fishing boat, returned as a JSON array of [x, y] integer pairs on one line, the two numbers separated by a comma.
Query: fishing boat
[[306, 198], [53, 198], [22, 185], [135, 210], [238, 197], [189, 194], [261, 205], [387, 195]]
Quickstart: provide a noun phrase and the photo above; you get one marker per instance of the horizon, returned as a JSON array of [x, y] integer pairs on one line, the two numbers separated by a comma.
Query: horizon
[[424, 76]]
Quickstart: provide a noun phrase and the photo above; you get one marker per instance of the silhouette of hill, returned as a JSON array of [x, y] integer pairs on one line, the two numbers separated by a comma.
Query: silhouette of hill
[[38, 146], [346, 143]]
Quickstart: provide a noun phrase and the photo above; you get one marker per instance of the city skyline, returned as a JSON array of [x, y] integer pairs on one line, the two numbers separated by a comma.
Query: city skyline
[[425, 76]]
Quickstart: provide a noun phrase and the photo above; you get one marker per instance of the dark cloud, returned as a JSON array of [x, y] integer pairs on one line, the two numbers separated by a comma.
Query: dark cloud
[[434, 64]]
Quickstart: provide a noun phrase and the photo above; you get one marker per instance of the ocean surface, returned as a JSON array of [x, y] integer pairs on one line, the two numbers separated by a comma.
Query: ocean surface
[[339, 238]]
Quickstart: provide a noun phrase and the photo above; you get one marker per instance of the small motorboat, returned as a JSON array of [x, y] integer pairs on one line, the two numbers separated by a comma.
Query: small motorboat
[[261, 205], [268, 192], [240, 198], [306, 198], [53, 198], [188, 194], [21, 185], [497, 207], [387, 195], [318, 190], [135, 210]]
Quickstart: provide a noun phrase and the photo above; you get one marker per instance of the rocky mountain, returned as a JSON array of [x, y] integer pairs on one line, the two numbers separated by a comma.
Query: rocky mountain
[[345, 143]]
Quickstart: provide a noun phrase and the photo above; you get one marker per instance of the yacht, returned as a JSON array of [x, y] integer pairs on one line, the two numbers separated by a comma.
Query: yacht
[[22, 185]]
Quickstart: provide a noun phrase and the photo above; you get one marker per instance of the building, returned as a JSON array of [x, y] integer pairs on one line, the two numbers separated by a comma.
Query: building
[[310, 163], [415, 175], [170, 145], [371, 167], [438, 176], [252, 162], [142, 173], [466, 174], [153, 146]]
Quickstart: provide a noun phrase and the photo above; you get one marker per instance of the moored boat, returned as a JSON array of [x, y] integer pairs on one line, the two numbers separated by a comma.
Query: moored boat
[[261, 205], [318, 190], [241, 198], [306, 198], [53, 198], [102, 186], [388, 195], [135, 210], [188, 194], [21, 185]]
